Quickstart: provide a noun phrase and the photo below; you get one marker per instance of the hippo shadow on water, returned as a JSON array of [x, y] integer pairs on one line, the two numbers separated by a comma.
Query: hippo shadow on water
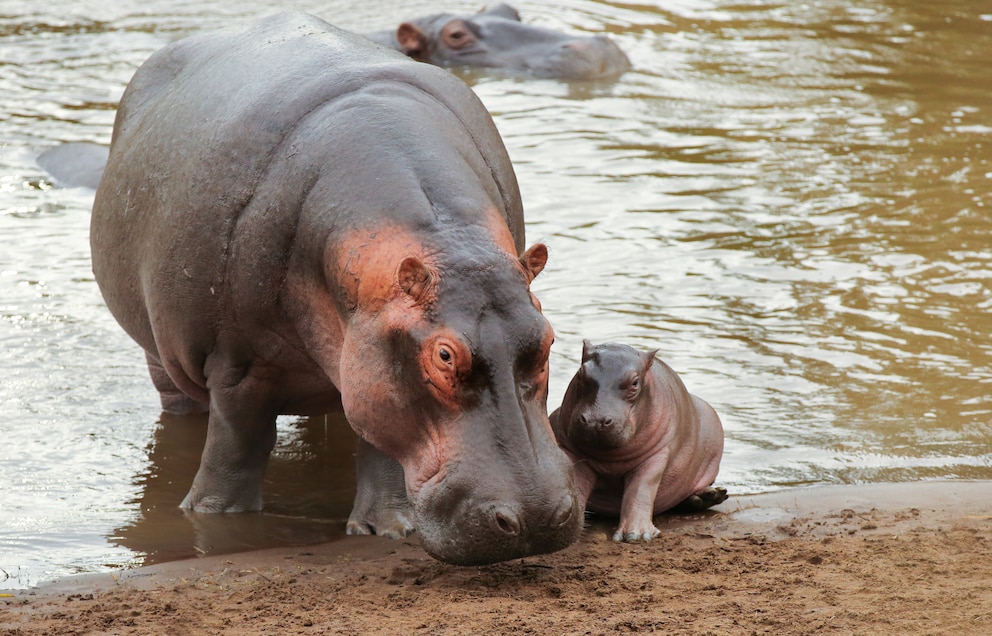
[[310, 488]]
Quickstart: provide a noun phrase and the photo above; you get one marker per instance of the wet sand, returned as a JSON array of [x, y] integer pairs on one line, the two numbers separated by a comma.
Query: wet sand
[[911, 558]]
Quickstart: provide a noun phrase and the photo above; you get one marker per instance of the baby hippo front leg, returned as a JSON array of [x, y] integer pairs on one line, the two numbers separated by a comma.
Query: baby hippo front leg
[[637, 506]]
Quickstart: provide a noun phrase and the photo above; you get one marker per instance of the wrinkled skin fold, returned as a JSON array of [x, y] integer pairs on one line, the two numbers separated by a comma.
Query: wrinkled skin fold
[[293, 220]]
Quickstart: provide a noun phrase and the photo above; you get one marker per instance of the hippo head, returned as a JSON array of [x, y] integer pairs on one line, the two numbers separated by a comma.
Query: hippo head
[[496, 38], [599, 411], [450, 378]]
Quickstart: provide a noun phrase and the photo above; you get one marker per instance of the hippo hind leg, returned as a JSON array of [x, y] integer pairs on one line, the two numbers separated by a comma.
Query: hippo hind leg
[[241, 432], [705, 498], [174, 401], [381, 506]]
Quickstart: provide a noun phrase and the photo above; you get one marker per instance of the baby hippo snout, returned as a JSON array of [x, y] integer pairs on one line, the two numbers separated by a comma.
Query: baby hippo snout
[[600, 430], [599, 423]]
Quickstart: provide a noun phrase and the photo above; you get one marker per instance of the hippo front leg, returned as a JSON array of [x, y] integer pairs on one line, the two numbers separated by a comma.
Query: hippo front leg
[[241, 432], [637, 508], [381, 506]]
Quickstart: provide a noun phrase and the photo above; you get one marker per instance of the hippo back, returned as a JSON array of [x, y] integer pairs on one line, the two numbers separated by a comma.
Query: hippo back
[[181, 166]]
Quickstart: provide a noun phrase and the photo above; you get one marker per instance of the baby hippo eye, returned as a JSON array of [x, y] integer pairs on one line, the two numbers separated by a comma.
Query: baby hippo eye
[[633, 387], [444, 354]]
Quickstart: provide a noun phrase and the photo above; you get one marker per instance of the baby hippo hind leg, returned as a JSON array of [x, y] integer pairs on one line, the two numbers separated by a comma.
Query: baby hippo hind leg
[[705, 498], [381, 506]]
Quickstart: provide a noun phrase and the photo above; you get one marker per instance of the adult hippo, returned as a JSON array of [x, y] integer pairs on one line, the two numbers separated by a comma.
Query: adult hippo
[[496, 38], [293, 220]]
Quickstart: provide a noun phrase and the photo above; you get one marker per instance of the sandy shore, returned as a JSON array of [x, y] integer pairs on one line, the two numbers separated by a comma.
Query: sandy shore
[[910, 558]]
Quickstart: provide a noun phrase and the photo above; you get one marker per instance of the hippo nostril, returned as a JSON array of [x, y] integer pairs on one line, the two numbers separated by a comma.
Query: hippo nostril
[[506, 522], [563, 513]]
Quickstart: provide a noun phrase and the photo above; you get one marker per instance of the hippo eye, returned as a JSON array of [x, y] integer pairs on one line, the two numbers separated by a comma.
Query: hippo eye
[[457, 36], [458, 39], [633, 387], [444, 354]]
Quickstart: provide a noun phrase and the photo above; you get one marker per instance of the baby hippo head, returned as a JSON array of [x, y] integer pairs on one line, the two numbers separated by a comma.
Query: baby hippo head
[[600, 408]]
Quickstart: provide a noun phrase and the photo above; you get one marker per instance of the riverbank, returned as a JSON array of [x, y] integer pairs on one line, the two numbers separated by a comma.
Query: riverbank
[[911, 558]]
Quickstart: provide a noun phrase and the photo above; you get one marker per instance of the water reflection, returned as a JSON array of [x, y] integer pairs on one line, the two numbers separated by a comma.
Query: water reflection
[[309, 489]]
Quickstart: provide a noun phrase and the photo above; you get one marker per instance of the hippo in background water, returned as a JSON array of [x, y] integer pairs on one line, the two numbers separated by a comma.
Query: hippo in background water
[[294, 220], [493, 38], [496, 38], [641, 443]]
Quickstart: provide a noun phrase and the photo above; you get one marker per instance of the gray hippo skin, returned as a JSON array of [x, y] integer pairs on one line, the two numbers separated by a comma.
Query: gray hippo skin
[[641, 443], [496, 38], [294, 220]]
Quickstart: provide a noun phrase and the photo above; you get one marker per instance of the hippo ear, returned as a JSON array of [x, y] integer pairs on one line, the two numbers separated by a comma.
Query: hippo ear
[[503, 10], [649, 358], [412, 40], [534, 260], [414, 277], [586, 351]]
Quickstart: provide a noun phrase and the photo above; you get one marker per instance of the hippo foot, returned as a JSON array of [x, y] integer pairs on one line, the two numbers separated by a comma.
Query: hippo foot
[[705, 498], [635, 535], [216, 504], [392, 524], [381, 506]]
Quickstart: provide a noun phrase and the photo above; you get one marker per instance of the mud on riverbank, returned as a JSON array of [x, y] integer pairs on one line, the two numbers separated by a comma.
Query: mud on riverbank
[[907, 558]]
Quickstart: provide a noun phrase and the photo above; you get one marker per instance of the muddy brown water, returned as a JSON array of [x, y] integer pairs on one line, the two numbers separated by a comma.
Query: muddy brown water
[[790, 200]]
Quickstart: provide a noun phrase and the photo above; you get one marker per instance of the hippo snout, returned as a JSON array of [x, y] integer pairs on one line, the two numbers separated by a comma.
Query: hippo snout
[[601, 423], [600, 430], [589, 58], [458, 526], [509, 522]]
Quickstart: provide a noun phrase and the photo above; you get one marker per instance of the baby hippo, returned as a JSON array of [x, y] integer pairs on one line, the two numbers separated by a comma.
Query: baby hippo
[[641, 443]]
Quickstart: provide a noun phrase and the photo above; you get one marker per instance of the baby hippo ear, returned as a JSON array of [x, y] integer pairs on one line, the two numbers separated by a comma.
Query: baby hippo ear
[[534, 260], [412, 40], [649, 357], [414, 278]]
